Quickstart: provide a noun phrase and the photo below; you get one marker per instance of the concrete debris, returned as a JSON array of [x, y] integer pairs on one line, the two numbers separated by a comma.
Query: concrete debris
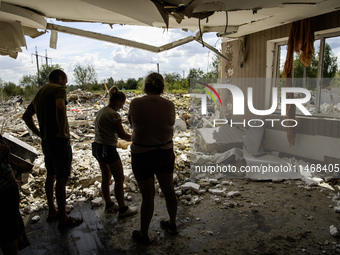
[[14, 101], [337, 209], [217, 191], [180, 125], [97, 201], [233, 193], [334, 231], [85, 181], [191, 185], [190, 200], [219, 139], [231, 204], [35, 219]]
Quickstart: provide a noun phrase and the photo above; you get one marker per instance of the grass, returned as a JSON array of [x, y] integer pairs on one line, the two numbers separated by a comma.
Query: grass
[[139, 91]]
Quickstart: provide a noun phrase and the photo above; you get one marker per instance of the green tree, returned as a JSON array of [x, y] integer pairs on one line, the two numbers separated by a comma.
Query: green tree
[[44, 73], [311, 72], [131, 83], [170, 79], [121, 84], [29, 83], [140, 83], [330, 63], [10, 89], [214, 68], [110, 82], [181, 85], [195, 74], [85, 76], [329, 70]]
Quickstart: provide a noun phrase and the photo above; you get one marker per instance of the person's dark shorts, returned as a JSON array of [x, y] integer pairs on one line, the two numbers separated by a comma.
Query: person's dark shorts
[[106, 154], [58, 157], [146, 164]]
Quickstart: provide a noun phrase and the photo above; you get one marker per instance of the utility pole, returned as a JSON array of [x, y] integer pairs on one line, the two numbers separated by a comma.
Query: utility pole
[[46, 58], [157, 66], [37, 60]]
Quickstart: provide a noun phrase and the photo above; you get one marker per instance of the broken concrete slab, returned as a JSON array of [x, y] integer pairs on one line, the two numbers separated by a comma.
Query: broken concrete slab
[[233, 193], [19, 162], [263, 166], [217, 191], [20, 148], [97, 201], [180, 125], [337, 209], [191, 186], [219, 139], [333, 231]]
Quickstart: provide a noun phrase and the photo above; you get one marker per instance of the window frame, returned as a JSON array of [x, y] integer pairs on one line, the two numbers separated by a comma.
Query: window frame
[[322, 36]]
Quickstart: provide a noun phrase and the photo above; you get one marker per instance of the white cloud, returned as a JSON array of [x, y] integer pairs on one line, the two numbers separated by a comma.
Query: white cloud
[[111, 60]]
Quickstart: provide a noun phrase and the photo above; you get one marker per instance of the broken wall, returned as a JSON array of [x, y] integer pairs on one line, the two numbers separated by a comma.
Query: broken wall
[[252, 62]]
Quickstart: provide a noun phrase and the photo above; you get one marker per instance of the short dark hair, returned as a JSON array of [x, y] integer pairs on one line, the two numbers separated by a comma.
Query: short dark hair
[[55, 74], [154, 82]]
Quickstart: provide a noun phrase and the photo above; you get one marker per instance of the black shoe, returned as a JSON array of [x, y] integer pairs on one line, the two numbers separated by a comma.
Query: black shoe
[[140, 239], [172, 229]]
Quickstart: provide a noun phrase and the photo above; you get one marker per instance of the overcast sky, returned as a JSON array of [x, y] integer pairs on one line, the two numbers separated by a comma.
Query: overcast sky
[[112, 60]]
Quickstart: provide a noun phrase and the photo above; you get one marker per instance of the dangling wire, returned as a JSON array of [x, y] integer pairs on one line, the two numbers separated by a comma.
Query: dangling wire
[[226, 24], [199, 26]]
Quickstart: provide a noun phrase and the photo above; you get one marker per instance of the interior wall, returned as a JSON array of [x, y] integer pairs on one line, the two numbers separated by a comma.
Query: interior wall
[[255, 65]]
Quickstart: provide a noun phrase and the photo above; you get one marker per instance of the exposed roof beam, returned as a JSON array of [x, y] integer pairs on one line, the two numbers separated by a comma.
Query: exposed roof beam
[[125, 42], [176, 43], [101, 37]]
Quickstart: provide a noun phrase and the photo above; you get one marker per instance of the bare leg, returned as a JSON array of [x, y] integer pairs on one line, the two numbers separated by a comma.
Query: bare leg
[[106, 176], [61, 198], [49, 189], [116, 169], [147, 188], [167, 186]]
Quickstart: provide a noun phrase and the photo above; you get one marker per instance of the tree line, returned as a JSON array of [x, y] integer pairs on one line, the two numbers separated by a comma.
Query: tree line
[[330, 70], [85, 78]]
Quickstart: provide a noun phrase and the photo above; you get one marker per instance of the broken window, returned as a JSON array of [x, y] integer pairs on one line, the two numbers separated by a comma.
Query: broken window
[[321, 78]]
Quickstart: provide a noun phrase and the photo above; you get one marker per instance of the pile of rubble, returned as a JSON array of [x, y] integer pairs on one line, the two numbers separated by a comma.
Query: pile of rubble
[[85, 180]]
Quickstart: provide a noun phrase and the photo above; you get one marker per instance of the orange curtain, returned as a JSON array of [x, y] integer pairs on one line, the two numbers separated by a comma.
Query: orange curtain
[[301, 41]]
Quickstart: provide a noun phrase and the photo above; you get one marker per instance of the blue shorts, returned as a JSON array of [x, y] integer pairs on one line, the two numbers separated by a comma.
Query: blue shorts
[[106, 154], [58, 157]]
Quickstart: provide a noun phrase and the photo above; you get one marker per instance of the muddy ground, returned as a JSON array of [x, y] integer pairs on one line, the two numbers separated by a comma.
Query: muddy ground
[[267, 218]]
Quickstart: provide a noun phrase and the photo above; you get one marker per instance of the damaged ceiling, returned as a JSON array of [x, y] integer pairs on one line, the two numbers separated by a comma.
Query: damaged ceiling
[[228, 19]]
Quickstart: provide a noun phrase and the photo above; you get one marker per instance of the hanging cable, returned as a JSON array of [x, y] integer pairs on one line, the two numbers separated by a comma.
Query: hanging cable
[[201, 36], [226, 24]]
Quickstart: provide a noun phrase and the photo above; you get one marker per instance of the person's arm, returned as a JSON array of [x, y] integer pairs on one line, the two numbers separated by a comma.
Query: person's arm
[[121, 132], [28, 118], [61, 117], [129, 115]]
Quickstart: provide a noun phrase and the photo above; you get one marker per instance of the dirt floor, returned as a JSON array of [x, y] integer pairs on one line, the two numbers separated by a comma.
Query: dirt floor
[[267, 218]]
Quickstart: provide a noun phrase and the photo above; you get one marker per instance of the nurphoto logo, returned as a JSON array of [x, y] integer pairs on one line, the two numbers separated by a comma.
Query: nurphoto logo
[[239, 102]]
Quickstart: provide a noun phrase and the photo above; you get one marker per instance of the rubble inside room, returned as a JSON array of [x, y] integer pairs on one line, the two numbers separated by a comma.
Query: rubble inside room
[[85, 180]]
